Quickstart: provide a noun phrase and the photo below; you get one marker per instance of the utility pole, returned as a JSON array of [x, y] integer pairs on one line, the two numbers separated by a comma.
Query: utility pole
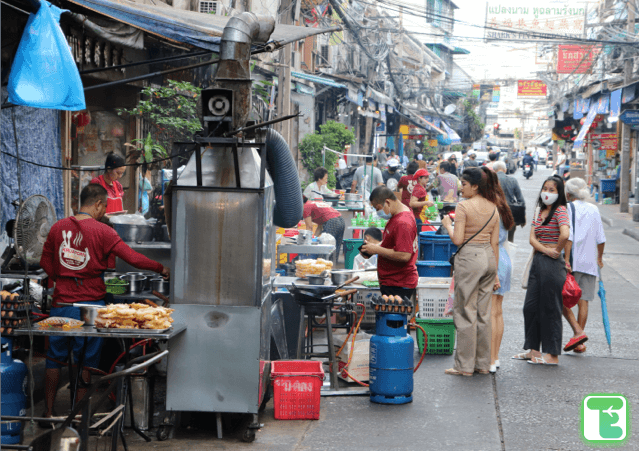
[[624, 182], [284, 74]]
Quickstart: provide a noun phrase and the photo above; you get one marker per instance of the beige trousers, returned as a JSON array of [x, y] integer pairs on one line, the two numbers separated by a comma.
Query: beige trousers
[[475, 271]]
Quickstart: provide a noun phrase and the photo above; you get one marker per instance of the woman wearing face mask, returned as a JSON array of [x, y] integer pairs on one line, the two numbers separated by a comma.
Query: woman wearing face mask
[[476, 233], [543, 304]]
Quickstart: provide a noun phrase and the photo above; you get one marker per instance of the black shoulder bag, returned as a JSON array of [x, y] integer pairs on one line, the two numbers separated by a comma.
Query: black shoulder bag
[[574, 231], [452, 258]]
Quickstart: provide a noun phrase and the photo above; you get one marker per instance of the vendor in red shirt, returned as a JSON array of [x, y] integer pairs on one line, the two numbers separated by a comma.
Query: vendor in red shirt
[[114, 168], [406, 183], [397, 253], [419, 196], [75, 256], [329, 219]]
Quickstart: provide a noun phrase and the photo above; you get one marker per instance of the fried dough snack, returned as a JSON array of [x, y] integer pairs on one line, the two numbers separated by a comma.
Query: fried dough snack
[[133, 316]]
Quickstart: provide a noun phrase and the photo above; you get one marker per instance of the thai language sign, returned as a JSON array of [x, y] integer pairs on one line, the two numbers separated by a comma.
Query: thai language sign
[[605, 141], [576, 59], [541, 22], [531, 88]]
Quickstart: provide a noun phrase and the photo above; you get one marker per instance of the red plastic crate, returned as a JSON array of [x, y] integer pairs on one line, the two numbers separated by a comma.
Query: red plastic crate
[[296, 389]]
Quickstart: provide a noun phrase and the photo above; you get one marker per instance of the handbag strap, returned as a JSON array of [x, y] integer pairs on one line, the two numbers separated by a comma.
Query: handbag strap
[[469, 239], [574, 230]]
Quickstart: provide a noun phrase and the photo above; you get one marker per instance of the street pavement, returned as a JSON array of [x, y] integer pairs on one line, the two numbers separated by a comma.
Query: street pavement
[[521, 407]]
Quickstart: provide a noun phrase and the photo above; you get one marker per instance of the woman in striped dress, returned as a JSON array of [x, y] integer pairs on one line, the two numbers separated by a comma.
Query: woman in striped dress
[[543, 304]]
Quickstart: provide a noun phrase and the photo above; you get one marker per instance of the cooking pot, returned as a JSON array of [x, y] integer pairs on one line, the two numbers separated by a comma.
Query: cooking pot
[[160, 285], [339, 277], [133, 233], [352, 197], [137, 283], [315, 280]]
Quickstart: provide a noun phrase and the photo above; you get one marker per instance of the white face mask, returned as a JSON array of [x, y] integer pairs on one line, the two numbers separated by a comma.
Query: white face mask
[[549, 198]]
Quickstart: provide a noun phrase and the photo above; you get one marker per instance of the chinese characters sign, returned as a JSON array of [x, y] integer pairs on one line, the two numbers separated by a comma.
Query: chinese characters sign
[[539, 22], [531, 88], [576, 59]]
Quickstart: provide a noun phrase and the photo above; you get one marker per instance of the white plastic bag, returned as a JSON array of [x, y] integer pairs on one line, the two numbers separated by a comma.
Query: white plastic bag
[[325, 238]]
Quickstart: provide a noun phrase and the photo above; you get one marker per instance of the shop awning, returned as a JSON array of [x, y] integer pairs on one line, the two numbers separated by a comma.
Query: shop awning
[[592, 113], [188, 27], [460, 51], [318, 80]]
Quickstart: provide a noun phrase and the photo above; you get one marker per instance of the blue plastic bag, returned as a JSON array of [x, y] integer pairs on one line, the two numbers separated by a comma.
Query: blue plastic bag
[[44, 74]]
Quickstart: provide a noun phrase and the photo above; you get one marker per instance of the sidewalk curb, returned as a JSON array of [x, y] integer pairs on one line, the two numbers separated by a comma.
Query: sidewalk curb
[[607, 221], [631, 233]]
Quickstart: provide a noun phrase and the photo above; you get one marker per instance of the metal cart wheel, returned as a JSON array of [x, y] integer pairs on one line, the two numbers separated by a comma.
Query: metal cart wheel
[[248, 435], [164, 432]]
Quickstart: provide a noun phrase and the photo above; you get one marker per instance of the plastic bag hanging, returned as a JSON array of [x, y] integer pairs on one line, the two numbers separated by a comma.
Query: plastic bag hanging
[[44, 73]]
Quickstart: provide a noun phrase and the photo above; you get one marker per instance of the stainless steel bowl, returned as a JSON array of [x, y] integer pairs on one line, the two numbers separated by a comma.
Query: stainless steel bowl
[[137, 283], [339, 278], [88, 313], [133, 233], [316, 280], [352, 197], [160, 285]]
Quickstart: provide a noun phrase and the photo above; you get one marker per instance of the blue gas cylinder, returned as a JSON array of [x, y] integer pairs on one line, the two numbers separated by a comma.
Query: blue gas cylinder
[[13, 392], [391, 360]]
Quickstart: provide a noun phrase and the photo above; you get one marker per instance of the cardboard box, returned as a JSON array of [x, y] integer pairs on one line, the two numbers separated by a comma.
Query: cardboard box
[[358, 368]]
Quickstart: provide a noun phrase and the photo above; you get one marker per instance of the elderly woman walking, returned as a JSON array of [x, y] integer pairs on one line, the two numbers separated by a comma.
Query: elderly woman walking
[[585, 247], [544, 304], [476, 233]]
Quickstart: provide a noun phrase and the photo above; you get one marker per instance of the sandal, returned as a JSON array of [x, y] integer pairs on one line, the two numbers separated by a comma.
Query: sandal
[[575, 341], [454, 372], [477, 370], [522, 356], [47, 425], [541, 361], [580, 349]]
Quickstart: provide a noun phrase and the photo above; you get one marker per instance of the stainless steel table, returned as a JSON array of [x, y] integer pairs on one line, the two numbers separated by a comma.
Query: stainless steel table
[[36, 275], [91, 331]]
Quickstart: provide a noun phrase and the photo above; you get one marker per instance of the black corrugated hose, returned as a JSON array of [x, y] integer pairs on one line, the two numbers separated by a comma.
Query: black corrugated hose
[[288, 190]]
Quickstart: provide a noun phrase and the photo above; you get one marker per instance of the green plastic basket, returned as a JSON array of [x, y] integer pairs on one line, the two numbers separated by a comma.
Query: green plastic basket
[[441, 335], [116, 289], [350, 251]]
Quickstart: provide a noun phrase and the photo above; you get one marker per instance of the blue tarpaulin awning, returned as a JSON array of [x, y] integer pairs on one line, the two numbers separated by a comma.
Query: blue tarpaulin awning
[[318, 80], [189, 27], [579, 141]]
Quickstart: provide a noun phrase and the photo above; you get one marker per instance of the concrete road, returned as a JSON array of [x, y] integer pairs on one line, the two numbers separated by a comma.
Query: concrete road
[[521, 407]]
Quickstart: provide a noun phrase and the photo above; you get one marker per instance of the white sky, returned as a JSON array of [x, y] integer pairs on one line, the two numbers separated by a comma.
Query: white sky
[[487, 60]]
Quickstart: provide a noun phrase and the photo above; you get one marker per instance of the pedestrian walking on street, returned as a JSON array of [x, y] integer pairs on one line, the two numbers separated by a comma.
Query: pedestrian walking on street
[[476, 233], [446, 182], [514, 197], [406, 183], [585, 247], [543, 304], [504, 271]]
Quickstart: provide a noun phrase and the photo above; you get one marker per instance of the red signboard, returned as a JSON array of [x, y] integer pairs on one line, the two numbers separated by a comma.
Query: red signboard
[[576, 59], [604, 141], [531, 88]]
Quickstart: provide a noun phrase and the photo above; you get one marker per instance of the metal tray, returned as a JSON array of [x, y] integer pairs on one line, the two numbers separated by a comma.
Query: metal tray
[[132, 331]]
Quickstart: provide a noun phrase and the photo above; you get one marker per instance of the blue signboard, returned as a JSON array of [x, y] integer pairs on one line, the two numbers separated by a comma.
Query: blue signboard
[[630, 117], [615, 103], [628, 94], [602, 104], [576, 111]]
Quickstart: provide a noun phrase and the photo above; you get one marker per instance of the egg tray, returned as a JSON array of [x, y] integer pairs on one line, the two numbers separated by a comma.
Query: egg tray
[[7, 326], [18, 303], [392, 306]]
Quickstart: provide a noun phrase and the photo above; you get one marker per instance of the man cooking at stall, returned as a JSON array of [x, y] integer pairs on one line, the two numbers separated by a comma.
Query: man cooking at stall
[[75, 256], [397, 253]]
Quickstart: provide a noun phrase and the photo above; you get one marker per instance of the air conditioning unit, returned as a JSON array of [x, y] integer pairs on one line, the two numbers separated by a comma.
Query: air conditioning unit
[[209, 7]]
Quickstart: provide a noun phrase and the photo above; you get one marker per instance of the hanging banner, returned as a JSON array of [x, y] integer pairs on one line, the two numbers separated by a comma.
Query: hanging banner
[[579, 141], [585, 105], [615, 103], [603, 104], [628, 94], [576, 111], [576, 59], [496, 93], [531, 88], [545, 21], [452, 134]]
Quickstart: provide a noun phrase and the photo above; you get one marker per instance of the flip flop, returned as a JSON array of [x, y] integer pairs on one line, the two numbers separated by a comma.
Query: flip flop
[[455, 372], [541, 361], [575, 341], [580, 349], [522, 356], [477, 370]]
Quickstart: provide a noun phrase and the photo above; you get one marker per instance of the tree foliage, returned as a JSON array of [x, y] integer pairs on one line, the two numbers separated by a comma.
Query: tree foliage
[[171, 113], [475, 125], [332, 135]]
